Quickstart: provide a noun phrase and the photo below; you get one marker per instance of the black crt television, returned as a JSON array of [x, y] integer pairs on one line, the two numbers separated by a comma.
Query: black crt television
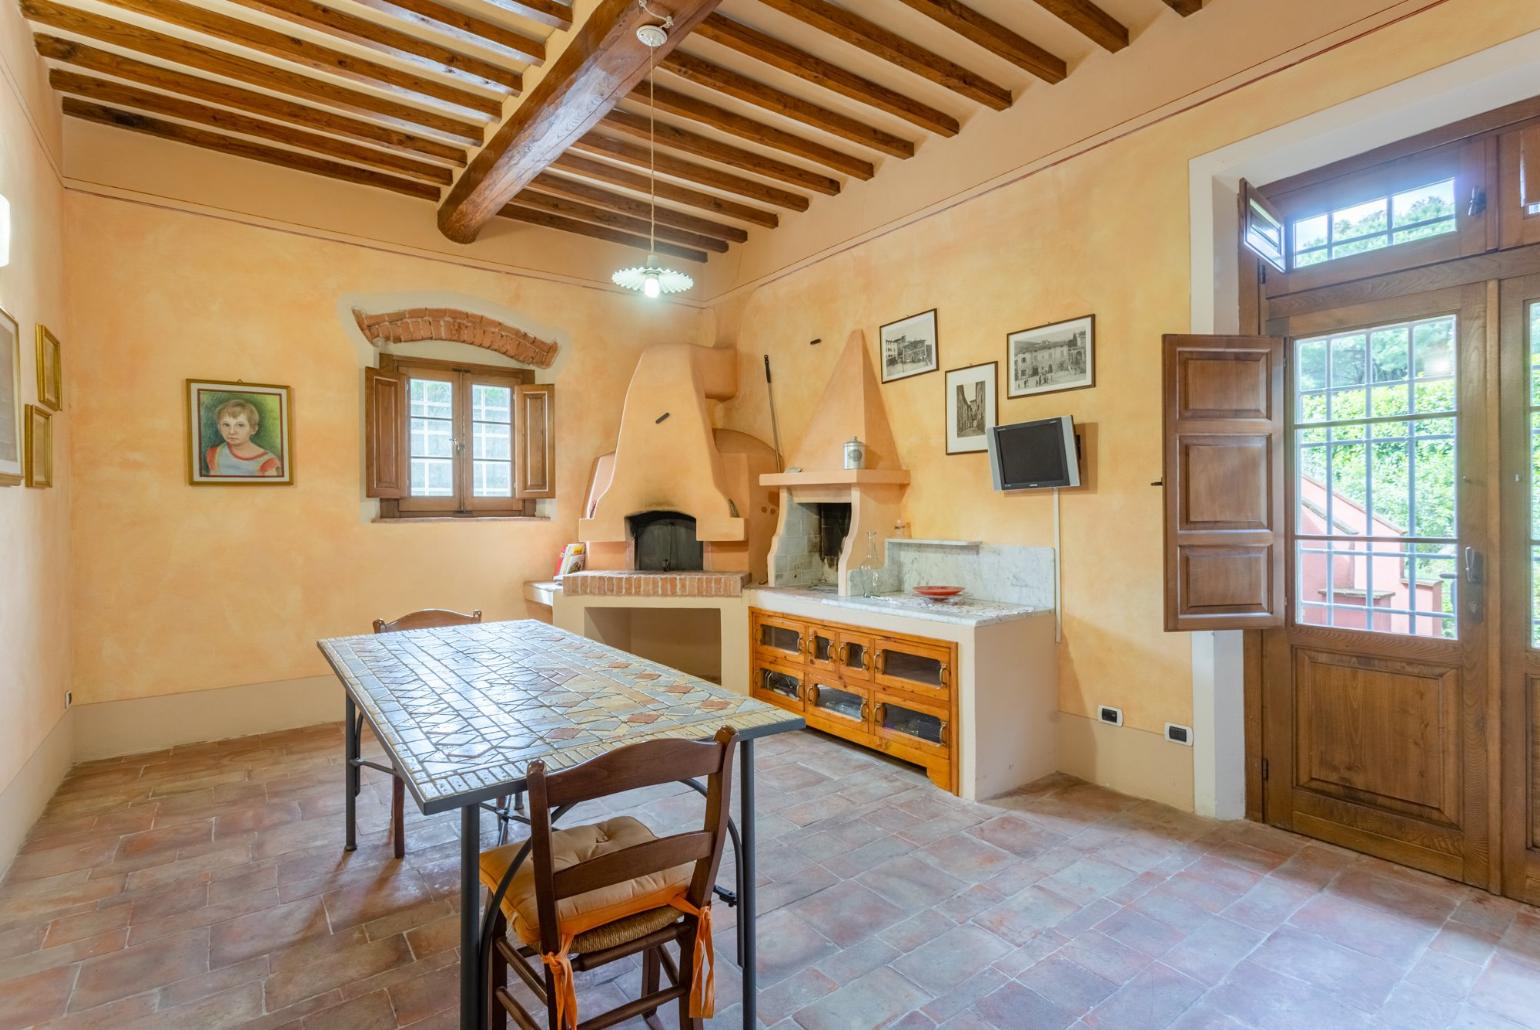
[[1035, 455]]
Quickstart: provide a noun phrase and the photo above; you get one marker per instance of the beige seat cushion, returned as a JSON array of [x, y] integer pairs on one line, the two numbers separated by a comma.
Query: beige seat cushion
[[611, 915]]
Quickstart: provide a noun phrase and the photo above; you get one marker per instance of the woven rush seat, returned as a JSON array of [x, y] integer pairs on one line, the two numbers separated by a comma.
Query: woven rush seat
[[579, 844]]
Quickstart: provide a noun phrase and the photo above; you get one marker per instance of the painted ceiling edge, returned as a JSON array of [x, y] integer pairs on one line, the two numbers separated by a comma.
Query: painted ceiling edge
[[410, 325]]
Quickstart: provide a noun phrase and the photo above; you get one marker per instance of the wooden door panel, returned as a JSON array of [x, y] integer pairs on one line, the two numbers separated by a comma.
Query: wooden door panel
[[1379, 732], [1228, 485], [1223, 385], [1225, 580]]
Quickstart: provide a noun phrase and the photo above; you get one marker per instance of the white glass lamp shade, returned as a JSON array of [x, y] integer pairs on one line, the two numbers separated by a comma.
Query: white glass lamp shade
[[652, 279]]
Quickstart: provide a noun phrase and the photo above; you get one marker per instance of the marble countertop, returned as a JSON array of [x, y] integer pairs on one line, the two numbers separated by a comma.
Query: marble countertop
[[961, 611]]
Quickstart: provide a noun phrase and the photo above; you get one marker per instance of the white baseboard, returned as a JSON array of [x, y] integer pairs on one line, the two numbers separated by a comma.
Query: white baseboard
[[112, 728], [24, 798], [1127, 760]]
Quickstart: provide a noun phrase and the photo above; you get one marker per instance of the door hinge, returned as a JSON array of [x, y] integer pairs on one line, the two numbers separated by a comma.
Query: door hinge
[[1264, 768]]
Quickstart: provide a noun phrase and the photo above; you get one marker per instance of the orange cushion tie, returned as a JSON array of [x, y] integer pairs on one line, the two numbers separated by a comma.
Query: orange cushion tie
[[563, 985], [703, 985]]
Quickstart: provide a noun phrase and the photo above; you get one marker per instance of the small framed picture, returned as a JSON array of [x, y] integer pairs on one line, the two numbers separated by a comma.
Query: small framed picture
[[1050, 358], [971, 396], [39, 445], [238, 433], [50, 375], [910, 347], [12, 457]]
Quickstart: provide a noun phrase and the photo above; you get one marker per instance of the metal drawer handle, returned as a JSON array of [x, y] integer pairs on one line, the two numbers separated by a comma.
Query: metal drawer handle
[[863, 711]]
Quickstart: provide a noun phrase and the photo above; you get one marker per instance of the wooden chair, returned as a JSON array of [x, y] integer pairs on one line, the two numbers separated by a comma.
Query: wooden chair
[[590, 895], [428, 618]]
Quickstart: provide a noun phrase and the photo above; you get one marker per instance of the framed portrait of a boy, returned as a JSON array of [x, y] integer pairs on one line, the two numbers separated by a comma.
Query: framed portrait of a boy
[[238, 433], [12, 466]]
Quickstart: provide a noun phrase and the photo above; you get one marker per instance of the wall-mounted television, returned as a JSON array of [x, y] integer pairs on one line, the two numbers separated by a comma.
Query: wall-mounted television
[[1035, 455]]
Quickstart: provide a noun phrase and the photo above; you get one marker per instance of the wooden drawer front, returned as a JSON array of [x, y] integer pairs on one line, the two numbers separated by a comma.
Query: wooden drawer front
[[856, 655], [837, 706], [780, 683], [776, 637], [920, 668], [823, 647], [903, 724]]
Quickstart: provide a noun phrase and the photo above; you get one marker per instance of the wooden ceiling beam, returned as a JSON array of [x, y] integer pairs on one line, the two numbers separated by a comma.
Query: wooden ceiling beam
[[553, 13], [120, 96], [180, 133], [689, 171], [1090, 21], [561, 186], [404, 46], [533, 198], [534, 216], [601, 63], [1185, 7], [301, 51], [282, 45], [783, 57], [601, 171], [211, 91], [741, 87], [893, 48], [466, 28], [140, 40], [673, 102], [637, 127], [992, 36]]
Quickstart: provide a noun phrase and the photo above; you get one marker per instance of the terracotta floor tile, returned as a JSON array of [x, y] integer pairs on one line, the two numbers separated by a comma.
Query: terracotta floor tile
[[893, 902]]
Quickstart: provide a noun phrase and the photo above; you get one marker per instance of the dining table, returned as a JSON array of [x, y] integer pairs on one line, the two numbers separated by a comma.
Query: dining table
[[462, 711]]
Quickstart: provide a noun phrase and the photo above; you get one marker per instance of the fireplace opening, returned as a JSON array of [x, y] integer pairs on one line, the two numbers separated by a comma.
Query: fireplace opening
[[664, 541], [812, 537]]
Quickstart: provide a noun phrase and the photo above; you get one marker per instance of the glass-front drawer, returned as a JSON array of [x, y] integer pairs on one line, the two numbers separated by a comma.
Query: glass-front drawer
[[855, 654], [779, 684], [782, 637], [823, 647], [911, 665], [899, 721], [834, 700]]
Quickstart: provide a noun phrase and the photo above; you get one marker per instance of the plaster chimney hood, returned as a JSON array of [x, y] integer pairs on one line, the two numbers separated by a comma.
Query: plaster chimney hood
[[666, 458], [851, 405]]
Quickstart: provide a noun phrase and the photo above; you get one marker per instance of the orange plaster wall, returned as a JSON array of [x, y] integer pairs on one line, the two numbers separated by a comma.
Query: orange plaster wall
[[1103, 233], [34, 524], [183, 588]]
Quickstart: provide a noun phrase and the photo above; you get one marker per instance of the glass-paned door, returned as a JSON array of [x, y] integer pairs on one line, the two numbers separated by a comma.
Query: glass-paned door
[[431, 415], [1375, 689], [1520, 564]]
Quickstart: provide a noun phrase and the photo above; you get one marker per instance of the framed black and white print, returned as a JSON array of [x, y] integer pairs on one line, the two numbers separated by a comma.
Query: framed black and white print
[[910, 347], [971, 395], [1049, 358]]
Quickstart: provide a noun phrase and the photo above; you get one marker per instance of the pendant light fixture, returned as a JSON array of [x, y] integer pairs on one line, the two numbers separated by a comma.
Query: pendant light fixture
[[652, 279]]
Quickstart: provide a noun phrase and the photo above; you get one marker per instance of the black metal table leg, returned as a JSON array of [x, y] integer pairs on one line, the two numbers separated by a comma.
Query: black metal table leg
[[746, 891], [351, 773], [470, 917]]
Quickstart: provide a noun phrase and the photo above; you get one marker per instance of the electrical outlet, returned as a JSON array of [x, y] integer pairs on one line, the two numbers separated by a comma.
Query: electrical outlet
[[1179, 734], [1110, 715]]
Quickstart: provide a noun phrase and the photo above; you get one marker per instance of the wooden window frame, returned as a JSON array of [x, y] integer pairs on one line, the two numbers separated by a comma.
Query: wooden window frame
[[463, 505]]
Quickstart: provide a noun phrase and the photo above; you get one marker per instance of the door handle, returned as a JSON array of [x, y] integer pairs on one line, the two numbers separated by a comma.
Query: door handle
[[1475, 577]]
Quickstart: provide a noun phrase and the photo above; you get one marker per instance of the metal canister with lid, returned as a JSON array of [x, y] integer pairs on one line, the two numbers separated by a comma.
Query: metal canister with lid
[[855, 453]]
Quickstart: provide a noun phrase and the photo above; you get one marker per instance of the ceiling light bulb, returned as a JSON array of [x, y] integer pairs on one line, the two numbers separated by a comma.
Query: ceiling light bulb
[[651, 287]]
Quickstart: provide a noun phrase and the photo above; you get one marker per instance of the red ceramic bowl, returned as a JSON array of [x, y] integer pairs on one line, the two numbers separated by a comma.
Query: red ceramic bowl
[[938, 593]]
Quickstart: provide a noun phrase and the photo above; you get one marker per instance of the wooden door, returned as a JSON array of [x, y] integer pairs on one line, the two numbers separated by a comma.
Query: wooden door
[[1375, 688], [1520, 572]]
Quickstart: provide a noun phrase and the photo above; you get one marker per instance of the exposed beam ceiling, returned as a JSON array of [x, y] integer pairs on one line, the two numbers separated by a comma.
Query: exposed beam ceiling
[[601, 63], [759, 108]]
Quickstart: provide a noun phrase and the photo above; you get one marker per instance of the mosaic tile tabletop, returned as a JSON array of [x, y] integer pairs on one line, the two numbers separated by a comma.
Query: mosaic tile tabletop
[[465, 709]]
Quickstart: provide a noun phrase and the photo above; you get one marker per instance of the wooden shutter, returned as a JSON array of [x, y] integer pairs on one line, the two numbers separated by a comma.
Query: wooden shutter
[[1262, 228], [1529, 166], [384, 429], [534, 427], [1224, 461]]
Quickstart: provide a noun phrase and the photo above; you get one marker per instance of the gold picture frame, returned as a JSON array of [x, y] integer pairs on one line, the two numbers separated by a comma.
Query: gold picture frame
[[12, 460], [39, 447], [50, 373], [262, 450]]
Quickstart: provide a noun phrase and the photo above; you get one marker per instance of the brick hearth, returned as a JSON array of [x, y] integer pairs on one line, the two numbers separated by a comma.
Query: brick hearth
[[655, 584]]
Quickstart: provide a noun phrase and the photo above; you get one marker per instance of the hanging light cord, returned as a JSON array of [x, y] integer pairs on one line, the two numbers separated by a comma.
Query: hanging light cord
[[652, 169]]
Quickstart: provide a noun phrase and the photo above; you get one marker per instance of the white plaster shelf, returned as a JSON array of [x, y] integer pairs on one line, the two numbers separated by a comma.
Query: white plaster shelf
[[836, 477]]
